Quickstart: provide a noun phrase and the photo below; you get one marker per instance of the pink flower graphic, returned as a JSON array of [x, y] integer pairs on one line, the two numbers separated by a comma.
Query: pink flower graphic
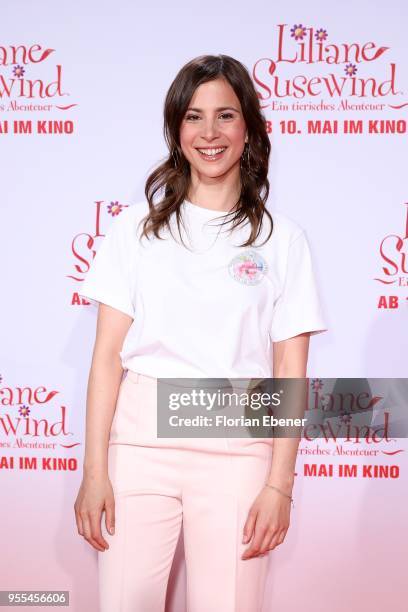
[[247, 268], [18, 71], [317, 384], [24, 410], [298, 32], [321, 34], [115, 209], [350, 69]]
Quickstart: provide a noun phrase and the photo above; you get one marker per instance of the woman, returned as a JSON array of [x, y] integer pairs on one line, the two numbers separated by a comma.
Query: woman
[[180, 297]]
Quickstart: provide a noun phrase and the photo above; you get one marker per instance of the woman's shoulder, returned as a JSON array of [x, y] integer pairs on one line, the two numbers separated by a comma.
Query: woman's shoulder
[[285, 228], [137, 210], [128, 220]]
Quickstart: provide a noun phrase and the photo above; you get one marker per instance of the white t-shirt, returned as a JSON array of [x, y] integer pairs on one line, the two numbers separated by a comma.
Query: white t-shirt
[[211, 311]]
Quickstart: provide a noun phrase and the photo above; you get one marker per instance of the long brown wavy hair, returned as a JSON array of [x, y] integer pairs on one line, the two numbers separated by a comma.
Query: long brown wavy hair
[[172, 177]]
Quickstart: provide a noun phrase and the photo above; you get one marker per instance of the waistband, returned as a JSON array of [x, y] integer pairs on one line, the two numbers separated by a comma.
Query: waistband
[[140, 378], [243, 383]]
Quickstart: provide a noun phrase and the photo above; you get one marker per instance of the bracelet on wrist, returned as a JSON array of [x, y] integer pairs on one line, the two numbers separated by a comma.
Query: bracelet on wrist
[[282, 492]]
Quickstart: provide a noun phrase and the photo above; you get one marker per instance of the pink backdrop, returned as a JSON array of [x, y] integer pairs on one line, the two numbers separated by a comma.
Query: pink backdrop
[[82, 89]]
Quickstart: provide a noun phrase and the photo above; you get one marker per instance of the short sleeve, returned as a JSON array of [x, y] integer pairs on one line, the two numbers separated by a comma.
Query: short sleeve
[[298, 309], [111, 277]]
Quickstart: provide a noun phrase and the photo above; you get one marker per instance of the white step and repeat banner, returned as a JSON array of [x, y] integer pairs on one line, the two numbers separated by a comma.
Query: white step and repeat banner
[[82, 88]]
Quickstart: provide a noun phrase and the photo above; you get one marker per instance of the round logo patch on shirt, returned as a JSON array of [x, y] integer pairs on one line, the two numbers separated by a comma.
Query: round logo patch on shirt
[[248, 267]]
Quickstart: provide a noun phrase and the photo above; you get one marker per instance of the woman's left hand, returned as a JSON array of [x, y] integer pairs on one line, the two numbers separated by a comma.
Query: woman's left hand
[[267, 522]]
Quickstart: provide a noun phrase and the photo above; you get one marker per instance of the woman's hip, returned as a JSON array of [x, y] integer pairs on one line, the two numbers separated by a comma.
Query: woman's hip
[[142, 417]]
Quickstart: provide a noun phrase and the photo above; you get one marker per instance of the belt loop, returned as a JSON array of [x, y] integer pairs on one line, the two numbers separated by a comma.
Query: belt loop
[[133, 376]]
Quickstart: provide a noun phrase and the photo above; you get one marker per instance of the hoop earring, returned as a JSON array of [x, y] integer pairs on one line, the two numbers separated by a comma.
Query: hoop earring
[[245, 161], [175, 156]]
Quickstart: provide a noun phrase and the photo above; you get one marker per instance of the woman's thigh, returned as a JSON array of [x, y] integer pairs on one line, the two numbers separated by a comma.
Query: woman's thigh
[[134, 571], [218, 492]]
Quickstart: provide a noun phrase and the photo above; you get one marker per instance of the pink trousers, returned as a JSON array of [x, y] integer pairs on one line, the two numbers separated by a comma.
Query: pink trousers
[[204, 486]]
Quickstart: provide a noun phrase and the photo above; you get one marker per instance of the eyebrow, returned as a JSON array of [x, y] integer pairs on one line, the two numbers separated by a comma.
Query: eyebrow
[[220, 108]]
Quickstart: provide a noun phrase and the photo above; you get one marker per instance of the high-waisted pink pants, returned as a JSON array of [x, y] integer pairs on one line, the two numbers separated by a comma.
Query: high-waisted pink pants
[[204, 485]]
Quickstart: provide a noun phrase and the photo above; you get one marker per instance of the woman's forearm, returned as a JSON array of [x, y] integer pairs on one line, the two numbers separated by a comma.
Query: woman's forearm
[[103, 386], [283, 463], [287, 438], [290, 365]]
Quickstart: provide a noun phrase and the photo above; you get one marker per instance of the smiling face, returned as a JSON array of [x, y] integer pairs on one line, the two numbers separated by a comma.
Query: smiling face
[[213, 131]]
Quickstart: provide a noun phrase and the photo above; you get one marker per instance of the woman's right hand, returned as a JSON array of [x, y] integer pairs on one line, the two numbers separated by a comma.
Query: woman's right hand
[[94, 496]]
